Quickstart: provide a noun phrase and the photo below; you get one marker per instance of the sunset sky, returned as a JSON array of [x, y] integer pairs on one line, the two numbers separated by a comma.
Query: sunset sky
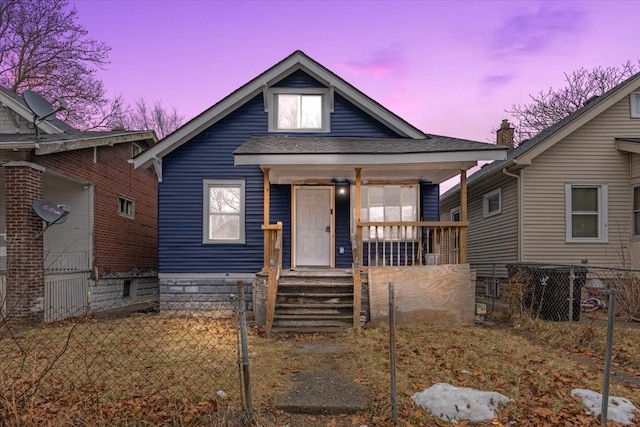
[[447, 67]]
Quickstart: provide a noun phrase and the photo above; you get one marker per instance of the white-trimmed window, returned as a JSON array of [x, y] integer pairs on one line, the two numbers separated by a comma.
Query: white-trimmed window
[[299, 110], [635, 104], [492, 203], [455, 214], [636, 210], [224, 206], [586, 213], [126, 207], [387, 203]]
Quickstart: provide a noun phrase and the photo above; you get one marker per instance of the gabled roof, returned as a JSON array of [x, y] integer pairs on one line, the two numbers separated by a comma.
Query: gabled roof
[[522, 155], [56, 136], [15, 103], [298, 60]]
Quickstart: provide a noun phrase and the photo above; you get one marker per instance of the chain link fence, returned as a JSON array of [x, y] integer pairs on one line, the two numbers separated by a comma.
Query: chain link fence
[[146, 366], [557, 292]]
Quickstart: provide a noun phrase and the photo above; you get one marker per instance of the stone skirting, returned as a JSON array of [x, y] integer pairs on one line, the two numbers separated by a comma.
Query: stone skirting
[[204, 294]]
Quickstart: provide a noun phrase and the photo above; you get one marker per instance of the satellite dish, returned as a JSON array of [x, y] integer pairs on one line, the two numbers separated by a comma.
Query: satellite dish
[[40, 107], [50, 213]]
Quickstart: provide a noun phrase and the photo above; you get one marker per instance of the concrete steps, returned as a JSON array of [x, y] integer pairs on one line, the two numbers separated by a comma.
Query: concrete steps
[[312, 301]]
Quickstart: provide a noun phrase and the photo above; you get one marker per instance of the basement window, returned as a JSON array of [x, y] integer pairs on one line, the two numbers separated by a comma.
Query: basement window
[[126, 207]]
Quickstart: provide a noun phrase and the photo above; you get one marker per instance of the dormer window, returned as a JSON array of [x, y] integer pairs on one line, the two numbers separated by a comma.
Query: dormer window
[[299, 110]]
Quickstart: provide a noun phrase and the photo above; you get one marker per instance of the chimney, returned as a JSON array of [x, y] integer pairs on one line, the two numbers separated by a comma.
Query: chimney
[[504, 135]]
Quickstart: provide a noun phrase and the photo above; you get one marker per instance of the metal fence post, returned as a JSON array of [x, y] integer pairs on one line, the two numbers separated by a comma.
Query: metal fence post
[[392, 351], [571, 282], [245, 350], [607, 357]]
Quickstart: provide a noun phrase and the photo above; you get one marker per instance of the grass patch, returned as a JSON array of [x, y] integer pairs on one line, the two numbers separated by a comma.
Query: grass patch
[[162, 370]]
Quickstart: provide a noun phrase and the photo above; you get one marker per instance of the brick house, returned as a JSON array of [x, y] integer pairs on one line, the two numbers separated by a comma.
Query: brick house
[[105, 251]]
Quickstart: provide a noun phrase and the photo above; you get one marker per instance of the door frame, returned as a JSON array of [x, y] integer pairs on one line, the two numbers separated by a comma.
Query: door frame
[[294, 226]]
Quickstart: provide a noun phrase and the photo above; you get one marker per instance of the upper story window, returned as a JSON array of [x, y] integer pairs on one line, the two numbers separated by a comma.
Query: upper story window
[[492, 203], [299, 110], [635, 104], [586, 213]]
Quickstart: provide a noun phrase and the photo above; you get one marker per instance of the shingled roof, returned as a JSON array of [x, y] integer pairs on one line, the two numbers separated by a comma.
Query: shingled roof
[[526, 146]]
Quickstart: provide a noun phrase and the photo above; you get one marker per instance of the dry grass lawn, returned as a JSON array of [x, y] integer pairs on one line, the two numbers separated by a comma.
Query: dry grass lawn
[[535, 363]]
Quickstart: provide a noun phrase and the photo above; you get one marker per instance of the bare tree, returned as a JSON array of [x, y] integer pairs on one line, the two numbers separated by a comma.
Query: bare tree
[[45, 49], [143, 116], [550, 106]]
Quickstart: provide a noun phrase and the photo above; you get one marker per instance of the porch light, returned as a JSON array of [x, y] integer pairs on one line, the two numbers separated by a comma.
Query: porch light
[[342, 186]]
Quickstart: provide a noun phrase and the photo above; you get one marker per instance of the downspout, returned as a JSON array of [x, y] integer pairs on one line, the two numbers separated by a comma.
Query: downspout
[[518, 211]]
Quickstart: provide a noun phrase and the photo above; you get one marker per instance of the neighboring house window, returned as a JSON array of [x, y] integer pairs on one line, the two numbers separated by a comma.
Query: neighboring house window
[[455, 214], [635, 105], [586, 213], [388, 203], [299, 110], [126, 207], [135, 149], [223, 220], [492, 203], [636, 210]]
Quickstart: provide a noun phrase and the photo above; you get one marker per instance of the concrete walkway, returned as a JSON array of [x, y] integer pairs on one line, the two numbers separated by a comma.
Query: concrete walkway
[[323, 389]]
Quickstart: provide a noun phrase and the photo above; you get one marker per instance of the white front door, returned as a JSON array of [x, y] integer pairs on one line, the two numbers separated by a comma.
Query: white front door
[[313, 226]]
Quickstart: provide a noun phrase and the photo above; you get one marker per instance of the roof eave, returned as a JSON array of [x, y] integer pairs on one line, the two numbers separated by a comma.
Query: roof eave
[[45, 148]]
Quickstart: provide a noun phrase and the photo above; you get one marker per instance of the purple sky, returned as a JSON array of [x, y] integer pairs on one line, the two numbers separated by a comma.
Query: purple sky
[[449, 68]]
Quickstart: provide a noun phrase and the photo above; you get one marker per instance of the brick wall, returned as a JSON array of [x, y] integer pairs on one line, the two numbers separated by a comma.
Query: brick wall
[[25, 253], [121, 244]]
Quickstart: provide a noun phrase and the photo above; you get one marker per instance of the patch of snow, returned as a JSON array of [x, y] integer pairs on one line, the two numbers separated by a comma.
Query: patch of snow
[[454, 404], [221, 393], [620, 409]]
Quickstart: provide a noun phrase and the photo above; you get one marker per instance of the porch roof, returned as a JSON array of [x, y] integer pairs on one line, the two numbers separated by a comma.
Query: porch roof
[[292, 159]]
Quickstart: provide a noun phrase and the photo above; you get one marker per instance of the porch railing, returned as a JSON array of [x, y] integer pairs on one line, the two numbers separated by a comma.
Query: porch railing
[[272, 267], [402, 244], [399, 244]]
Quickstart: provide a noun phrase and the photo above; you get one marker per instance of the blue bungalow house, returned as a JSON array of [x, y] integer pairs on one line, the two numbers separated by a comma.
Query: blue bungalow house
[[299, 183]]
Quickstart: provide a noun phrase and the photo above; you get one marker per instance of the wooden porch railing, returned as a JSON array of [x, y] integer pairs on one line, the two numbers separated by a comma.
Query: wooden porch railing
[[403, 244], [272, 267], [399, 244]]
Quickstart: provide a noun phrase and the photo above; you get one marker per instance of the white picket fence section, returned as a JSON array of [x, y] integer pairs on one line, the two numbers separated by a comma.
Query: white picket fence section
[[65, 295]]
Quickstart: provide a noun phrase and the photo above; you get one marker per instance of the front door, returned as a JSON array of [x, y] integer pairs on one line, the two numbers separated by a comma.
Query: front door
[[313, 226]]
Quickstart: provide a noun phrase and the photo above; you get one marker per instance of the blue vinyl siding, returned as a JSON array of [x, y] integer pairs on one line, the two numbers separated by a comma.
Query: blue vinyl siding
[[430, 195], [280, 210], [343, 229], [209, 155]]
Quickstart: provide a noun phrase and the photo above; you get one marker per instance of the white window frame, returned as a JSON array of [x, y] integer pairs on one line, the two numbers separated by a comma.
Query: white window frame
[[228, 183], [128, 201], [634, 100], [485, 203], [371, 235], [603, 225], [455, 211], [634, 212], [326, 108]]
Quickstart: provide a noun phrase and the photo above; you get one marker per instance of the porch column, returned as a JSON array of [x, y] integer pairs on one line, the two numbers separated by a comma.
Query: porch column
[[266, 191], [25, 254], [266, 195], [357, 285], [463, 216]]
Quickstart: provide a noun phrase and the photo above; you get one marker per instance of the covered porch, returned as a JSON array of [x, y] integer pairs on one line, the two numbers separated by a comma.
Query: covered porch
[[358, 205]]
